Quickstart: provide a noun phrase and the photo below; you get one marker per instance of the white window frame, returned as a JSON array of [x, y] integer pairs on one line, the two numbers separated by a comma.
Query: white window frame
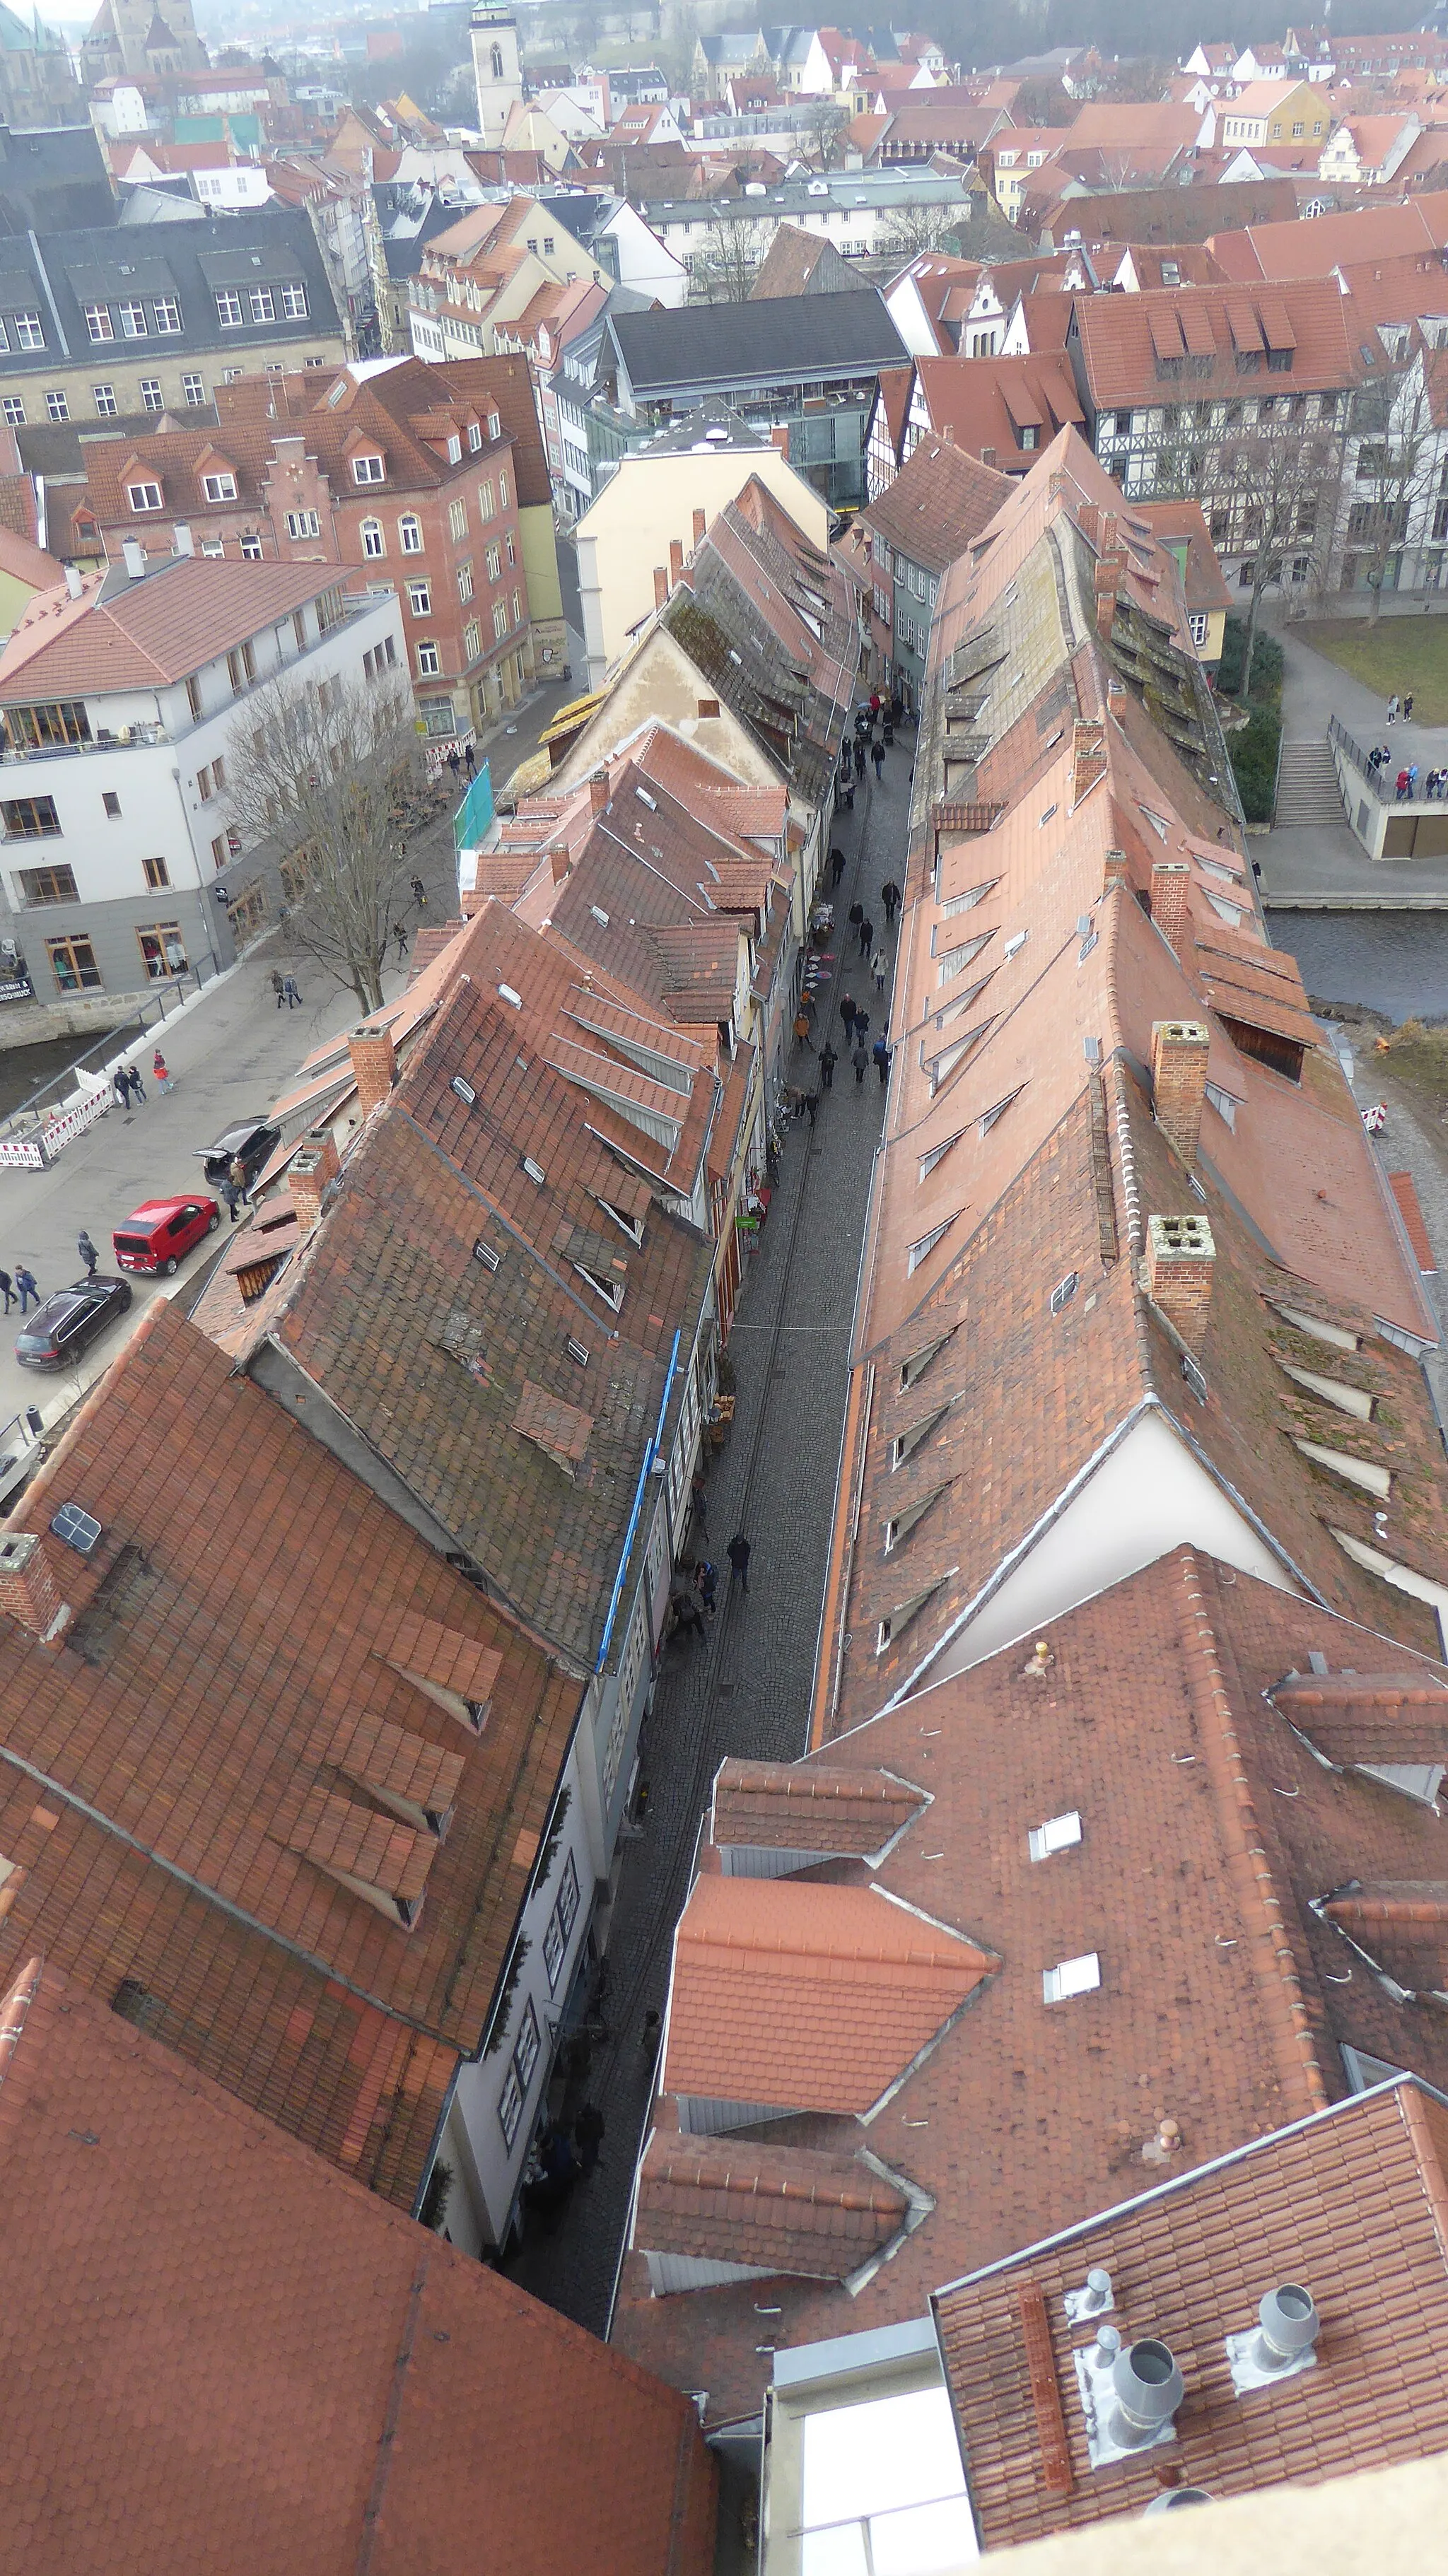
[[104, 398], [429, 660], [228, 309], [99, 324], [131, 314], [409, 533], [151, 497], [362, 469], [374, 542], [219, 487], [162, 308], [419, 598]]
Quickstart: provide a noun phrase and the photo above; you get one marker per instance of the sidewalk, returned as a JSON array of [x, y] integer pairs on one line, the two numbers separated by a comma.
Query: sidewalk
[[746, 1688], [1326, 863]]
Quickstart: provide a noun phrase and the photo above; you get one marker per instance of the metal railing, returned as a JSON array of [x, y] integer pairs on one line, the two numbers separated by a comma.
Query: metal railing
[[1338, 734], [141, 1013]]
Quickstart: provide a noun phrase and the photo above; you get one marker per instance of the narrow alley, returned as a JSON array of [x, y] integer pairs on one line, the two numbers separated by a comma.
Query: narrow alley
[[746, 1688]]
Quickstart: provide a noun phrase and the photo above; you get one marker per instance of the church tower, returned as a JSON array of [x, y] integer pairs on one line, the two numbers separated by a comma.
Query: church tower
[[496, 70]]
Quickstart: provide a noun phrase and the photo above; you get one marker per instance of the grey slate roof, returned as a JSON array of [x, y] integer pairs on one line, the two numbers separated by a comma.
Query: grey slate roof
[[789, 337], [59, 277]]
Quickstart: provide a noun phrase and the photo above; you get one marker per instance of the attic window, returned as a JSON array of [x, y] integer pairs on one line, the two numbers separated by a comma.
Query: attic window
[[991, 1115], [1194, 1377], [507, 994], [1316, 1328], [899, 1527], [576, 1351], [1420, 1781], [1071, 1977], [464, 1090], [1015, 943], [967, 902], [1045, 818], [937, 1153], [1058, 1833], [922, 1250], [1064, 1291], [599, 915], [645, 798], [1161, 828], [1370, 1479], [534, 1170], [900, 1617], [610, 1290], [919, 1361], [632, 1226], [1331, 1390], [1223, 1103], [907, 1442], [487, 1255]]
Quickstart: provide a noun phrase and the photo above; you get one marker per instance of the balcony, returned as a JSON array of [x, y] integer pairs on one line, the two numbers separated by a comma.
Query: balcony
[[128, 738]]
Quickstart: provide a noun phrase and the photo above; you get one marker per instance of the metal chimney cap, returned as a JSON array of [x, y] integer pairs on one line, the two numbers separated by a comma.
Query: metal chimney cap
[[1289, 2320], [1148, 2385], [1171, 2497]]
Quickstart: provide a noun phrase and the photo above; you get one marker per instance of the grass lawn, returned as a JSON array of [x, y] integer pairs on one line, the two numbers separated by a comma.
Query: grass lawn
[[1399, 653], [1418, 1057]]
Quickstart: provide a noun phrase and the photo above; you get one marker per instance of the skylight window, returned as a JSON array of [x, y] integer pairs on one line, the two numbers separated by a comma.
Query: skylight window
[[1015, 943], [645, 798], [599, 915], [577, 1351], [1071, 1977], [632, 1226], [919, 1361], [507, 994], [490, 1258], [1064, 1291], [1045, 818], [610, 1290], [464, 1090], [534, 1170], [1057, 1834]]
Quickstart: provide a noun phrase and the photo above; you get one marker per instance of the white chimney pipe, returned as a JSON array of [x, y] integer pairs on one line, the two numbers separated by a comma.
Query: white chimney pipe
[[182, 540], [135, 558], [73, 581]]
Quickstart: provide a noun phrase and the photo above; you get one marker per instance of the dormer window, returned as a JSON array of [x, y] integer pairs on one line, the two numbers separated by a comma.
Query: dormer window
[[144, 496], [475, 436], [368, 469], [219, 487]]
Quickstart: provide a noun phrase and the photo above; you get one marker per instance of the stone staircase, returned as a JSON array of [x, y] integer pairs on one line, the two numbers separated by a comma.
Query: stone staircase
[[1307, 790]]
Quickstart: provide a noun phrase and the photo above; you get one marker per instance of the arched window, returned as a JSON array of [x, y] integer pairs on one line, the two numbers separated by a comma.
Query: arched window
[[373, 541], [410, 531], [497, 62]]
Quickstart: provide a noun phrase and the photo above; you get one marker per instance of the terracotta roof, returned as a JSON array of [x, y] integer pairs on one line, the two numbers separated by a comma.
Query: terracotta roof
[[1125, 339], [783, 1806], [1198, 1829], [389, 1289], [244, 1643], [134, 634], [197, 2295], [812, 1998], [767, 2209], [940, 500], [1170, 214], [1349, 2205], [1181, 525], [982, 402], [1291, 250]]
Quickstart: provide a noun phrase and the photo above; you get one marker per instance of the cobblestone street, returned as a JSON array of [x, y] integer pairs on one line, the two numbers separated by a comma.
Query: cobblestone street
[[745, 1689]]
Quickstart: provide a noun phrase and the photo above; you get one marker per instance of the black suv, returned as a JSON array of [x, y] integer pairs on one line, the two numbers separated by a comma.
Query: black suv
[[69, 1321], [253, 1142]]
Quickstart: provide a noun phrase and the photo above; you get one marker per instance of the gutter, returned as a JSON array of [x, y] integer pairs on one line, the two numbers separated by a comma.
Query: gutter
[[646, 1468]]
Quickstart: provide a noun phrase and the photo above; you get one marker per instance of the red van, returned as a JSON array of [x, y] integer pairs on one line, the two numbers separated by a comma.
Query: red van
[[160, 1234]]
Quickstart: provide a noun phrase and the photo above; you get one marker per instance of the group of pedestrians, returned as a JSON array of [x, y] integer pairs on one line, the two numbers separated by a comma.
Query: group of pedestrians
[[22, 1285], [695, 1596], [285, 989], [127, 1085], [1400, 706]]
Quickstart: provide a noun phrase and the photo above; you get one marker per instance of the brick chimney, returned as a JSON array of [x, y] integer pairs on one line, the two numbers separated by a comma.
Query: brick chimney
[[1115, 871], [987, 456], [1105, 599], [1057, 484], [947, 433], [374, 1064], [1180, 1255], [1088, 756], [1170, 879], [598, 791], [661, 586], [1115, 695], [314, 1164], [676, 563], [1179, 1082], [700, 524], [28, 1591], [558, 861], [780, 438]]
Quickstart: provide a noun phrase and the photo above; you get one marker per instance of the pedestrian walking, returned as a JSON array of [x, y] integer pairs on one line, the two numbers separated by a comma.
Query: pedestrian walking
[[801, 1030], [706, 1581], [1402, 784], [828, 1062], [867, 936], [686, 1614], [699, 1496], [881, 1054], [1393, 708], [278, 986], [453, 762], [879, 968], [588, 2136], [7, 1286], [847, 1012], [419, 894], [859, 760], [232, 1196], [877, 754], [120, 1086], [811, 1106], [738, 1554], [890, 898], [1408, 708], [289, 987], [862, 1024], [88, 1253], [25, 1287], [837, 866], [1412, 778], [855, 915], [860, 1059], [133, 1080], [400, 935], [470, 761], [161, 1073]]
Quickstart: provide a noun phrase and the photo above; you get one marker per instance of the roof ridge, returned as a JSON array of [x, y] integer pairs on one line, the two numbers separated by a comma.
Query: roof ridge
[[1247, 1862]]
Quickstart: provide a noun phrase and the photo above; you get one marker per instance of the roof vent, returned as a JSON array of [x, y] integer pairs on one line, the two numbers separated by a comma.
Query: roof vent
[[76, 1528], [1092, 2300], [1058, 1833], [1282, 2343], [507, 994], [464, 1090], [134, 555], [487, 1254], [1171, 2497], [1129, 2396]]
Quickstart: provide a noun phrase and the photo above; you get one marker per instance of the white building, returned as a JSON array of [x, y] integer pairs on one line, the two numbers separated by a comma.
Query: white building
[[497, 71], [125, 700]]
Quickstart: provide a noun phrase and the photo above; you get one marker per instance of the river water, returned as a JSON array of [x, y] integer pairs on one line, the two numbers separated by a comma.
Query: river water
[[1395, 962]]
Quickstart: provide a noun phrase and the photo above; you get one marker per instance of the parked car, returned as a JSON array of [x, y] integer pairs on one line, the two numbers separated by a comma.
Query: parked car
[[69, 1321], [253, 1142], [161, 1233]]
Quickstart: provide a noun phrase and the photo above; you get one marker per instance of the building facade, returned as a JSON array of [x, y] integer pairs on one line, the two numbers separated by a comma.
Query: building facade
[[121, 862]]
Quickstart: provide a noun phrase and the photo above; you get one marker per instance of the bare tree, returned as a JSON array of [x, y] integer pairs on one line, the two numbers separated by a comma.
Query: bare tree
[[824, 125], [724, 269], [1390, 472], [908, 230], [1270, 498], [328, 772]]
